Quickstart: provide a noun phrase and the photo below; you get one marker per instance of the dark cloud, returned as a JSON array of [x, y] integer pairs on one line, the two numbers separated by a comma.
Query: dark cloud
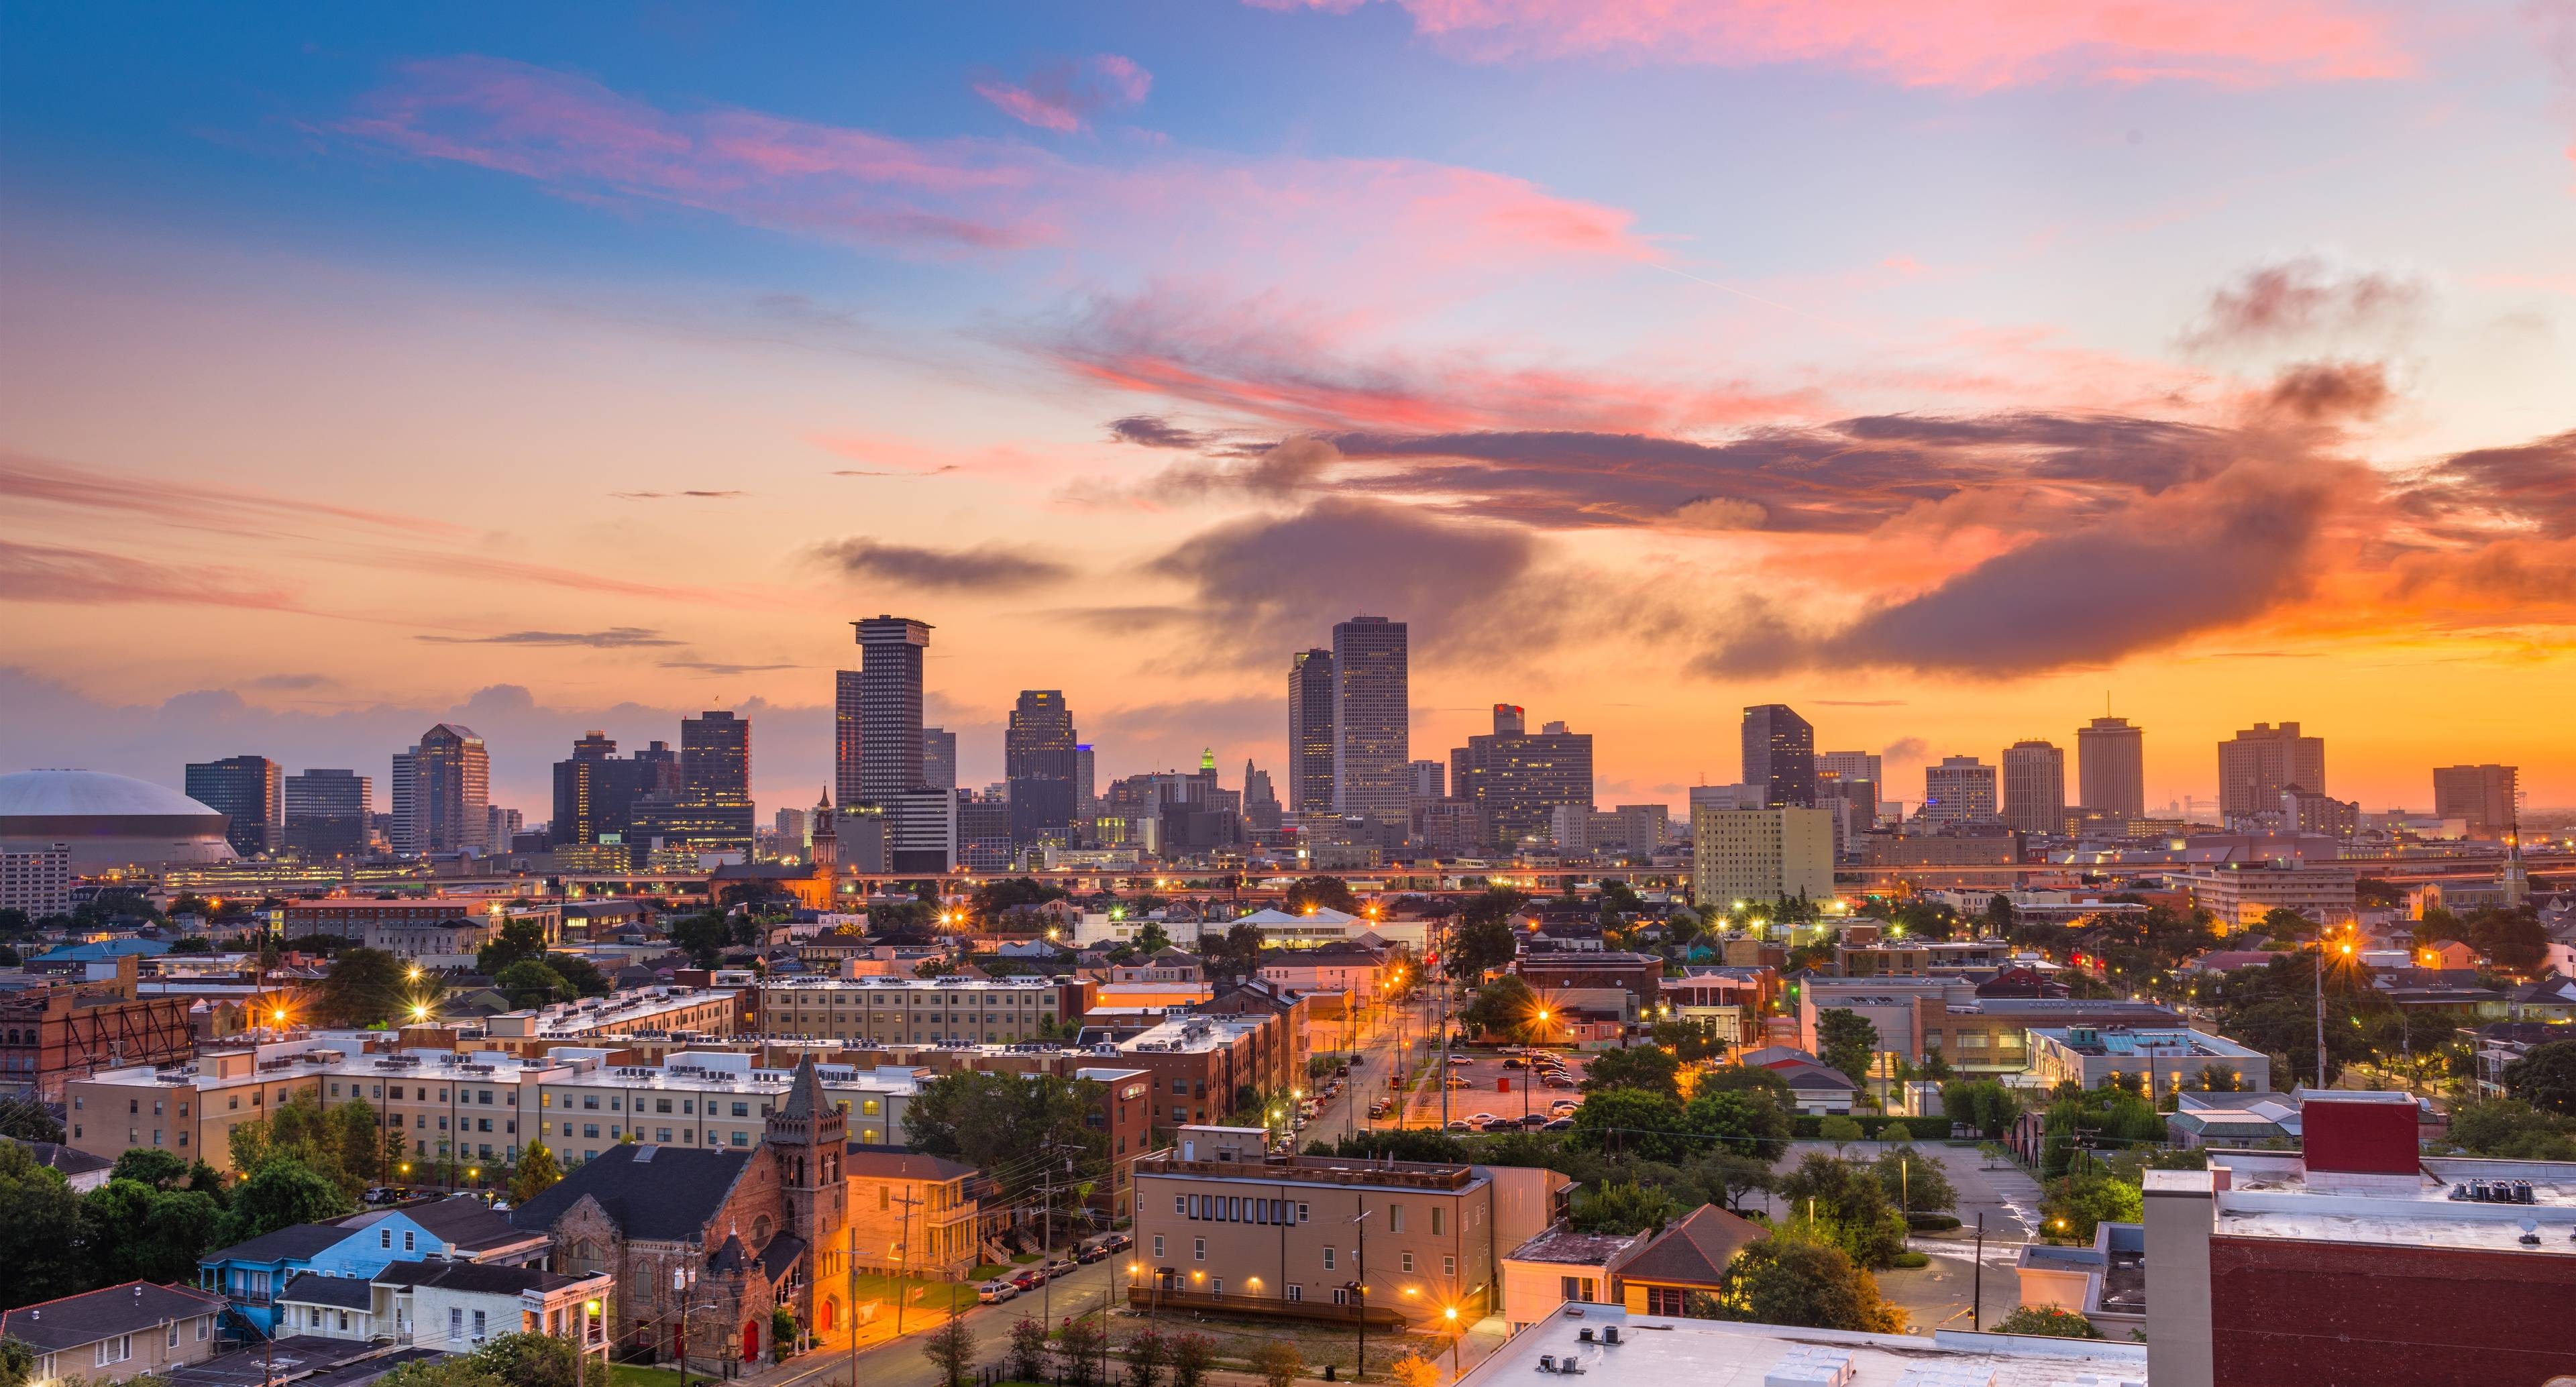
[[2306, 299], [2329, 390], [719, 667], [986, 568], [676, 495], [2531, 487], [1264, 585], [2220, 555], [292, 683], [614, 638], [1152, 432]]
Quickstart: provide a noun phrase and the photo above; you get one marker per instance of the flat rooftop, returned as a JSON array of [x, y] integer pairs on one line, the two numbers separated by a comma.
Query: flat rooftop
[[2139, 1042], [1661, 1351], [881, 984], [2270, 1195]]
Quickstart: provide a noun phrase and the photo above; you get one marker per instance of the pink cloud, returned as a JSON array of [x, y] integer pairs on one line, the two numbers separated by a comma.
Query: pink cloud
[[1381, 222], [1063, 96], [1974, 44]]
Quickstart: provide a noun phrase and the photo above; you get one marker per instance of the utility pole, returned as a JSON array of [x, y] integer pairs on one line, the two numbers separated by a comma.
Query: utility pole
[[902, 1257], [1359, 1283], [851, 1306], [2317, 985], [1977, 1303]]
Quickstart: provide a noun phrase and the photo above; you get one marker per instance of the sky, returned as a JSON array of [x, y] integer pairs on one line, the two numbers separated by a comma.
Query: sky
[[1951, 370]]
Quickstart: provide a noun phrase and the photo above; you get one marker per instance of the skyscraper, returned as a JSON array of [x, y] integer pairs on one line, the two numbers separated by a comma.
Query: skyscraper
[[1086, 799], [939, 758], [1038, 761], [1426, 779], [251, 790], [1310, 731], [849, 741], [1372, 720], [716, 812], [2257, 764], [326, 813], [2487, 797], [2035, 787], [451, 791], [581, 789], [890, 682], [2111, 766], [1516, 779], [1260, 802], [1780, 755], [402, 832], [1960, 790], [1850, 765]]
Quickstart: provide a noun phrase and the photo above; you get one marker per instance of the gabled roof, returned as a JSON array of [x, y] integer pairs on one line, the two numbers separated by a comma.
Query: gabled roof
[[344, 1292], [1695, 1251], [1815, 1076], [466, 1223], [658, 1193], [63, 1158], [293, 1244], [864, 1162], [87, 1318], [474, 1278], [781, 1256]]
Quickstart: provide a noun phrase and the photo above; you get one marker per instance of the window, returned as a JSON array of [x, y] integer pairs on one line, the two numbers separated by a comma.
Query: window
[[1395, 1218], [1407, 1261], [204, 1327], [661, 1134], [1341, 1295], [1302, 1211], [1575, 1288], [384, 1237], [174, 1335], [115, 1349], [455, 1322], [1449, 1266], [1158, 1247], [1667, 1300], [1216, 1285], [410, 1238], [742, 1110], [1438, 1220], [741, 1140], [590, 1101], [1295, 1291], [1328, 1259], [1180, 1204], [1198, 1249], [590, 1129]]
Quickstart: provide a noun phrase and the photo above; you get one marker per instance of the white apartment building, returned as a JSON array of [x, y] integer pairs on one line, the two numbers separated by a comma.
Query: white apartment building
[[1761, 854]]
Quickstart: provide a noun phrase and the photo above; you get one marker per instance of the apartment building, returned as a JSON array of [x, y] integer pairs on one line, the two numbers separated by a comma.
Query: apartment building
[[714, 1011], [380, 924], [1359, 972], [2243, 893], [888, 1011], [190, 1109], [2160, 1058], [1984, 1037], [1222, 1225], [911, 1214], [1201, 1066]]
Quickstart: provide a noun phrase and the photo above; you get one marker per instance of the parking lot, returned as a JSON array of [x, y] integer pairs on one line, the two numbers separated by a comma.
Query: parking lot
[[1492, 1085]]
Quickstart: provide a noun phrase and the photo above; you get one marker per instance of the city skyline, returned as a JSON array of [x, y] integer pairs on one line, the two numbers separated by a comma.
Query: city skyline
[[386, 385]]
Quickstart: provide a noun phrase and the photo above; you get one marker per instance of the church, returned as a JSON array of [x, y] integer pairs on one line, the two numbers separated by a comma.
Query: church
[[811, 884], [705, 1243]]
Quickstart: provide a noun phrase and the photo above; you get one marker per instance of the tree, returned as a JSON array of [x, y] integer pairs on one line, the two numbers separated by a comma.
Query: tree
[[2509, 1129], [2545, 1078], [518, 939], [703, 936], [40, 1228], [2046, 1320], [1843, 1203], [1233, 954], [356, 1130], [281, 1193], [1982, 1103], [1841, 1131], [1506, 1007], [529, 983], [1278, 1361], [2513, 940], [1625, 1208], [1329, 893], [1483, 939], [1746, 1124], [1146, 1354], [182, 1227], [364, 986], [1028, 1355], [1847, 1041], [1414, 1370], [1077, 1351], [1918, 1184], [536, 1173], [1744, 1078], [1192, 1355], [459, 1371], [782, 1333], [1646, 1067], [584, 975], [1151, 939], [1790, 1279], [998, 1121], [530, 1360], [1631, 1121], [951, 1348], [17, 1361], [2075, 1205], [148, 1165]]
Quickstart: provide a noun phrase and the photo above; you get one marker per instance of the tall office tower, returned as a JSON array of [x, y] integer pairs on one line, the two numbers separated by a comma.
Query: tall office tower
[[938, 758], [2488, 797], [1037, 760], [849, 740], [1961, 790], [451, 791], [1372, 720], [1516, 779], [402, 827], [582, 789], [890, 652], [794, 829], [1260, 802], [1310, 731], [2111, 768], [1850, 765], [501, 826], [1780, 755], [326, 813], [2260, 762], [2035, 787], [714, 809], [1086, 800], [251, 791], [1426, 780]]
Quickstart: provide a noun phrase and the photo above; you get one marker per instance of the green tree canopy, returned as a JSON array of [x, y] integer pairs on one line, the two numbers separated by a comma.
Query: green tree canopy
[[281, 1193], [1505, 1007], [518, 939], [2510, 1129], [1002, 1121], [364, 986], [1482, 941], [1625, 1208], [2545, 1078], [41, 1228], [1632, 1121], [2075, 1205], [529, 983], [1846, 1040], [2046, 1320], [1646, 1067], [1328, 892], [1790, 1279], [1748, 1124], [152, 1166], [535, 1174], [585, 976], [1843, 1203], [1918, 1184]]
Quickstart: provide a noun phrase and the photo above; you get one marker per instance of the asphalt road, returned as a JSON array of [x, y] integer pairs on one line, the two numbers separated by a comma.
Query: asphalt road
[[899, 1362]]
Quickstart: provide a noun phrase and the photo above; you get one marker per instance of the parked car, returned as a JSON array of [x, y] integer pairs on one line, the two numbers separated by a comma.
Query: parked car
[[1455, 1081], [1514, 1062], [995, 1291], [1381, 1108], [1117, 1242], [383, 1195], [1559, 1124], [1091, 1251], [1059, 1267], [1460, 1059], [1459, 1124], [1030, 1278], [1482, 1120], [1342, 1070], [1535, 1119], [1563, 1106]]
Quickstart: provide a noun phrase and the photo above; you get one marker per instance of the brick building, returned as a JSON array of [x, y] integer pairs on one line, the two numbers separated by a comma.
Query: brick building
[[1201, 1067], [56, 1032]]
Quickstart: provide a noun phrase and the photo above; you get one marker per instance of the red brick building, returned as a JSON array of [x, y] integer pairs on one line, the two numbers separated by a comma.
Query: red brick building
[[57, 1032]]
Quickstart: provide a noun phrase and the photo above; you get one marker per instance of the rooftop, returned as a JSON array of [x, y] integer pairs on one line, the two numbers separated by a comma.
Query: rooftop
[[2272, 1195], [1711, 1353], [2129, 1042], [1314, 1170], [1193, 1032], [879, 984], [1565, 1246]]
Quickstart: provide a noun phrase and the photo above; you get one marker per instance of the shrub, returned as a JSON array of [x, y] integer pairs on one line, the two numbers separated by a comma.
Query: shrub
[[2046, 1320]]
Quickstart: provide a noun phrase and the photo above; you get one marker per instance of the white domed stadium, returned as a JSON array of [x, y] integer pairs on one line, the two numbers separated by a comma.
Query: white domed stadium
[[109, 821]]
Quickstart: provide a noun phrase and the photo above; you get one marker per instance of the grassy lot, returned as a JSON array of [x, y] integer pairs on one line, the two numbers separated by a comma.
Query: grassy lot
[[636, 1375], [988, 1271], [917, 1294], [1237, 1340]]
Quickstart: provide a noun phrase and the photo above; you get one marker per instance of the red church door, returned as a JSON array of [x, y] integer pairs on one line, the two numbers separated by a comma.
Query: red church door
[[751, 1341]]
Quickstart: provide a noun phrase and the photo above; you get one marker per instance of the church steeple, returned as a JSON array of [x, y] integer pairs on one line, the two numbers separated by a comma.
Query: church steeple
[[824, 852]]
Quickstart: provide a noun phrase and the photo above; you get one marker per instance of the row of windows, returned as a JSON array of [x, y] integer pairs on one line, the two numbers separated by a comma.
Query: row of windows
[[1227, 1208]]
